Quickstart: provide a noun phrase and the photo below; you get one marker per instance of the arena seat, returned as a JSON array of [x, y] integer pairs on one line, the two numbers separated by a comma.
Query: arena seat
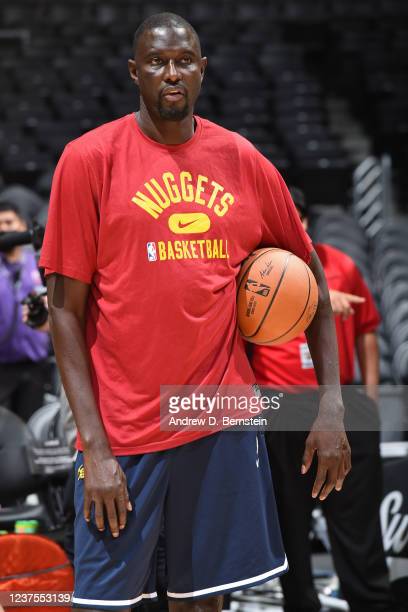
[[400, 363], [390, 256]]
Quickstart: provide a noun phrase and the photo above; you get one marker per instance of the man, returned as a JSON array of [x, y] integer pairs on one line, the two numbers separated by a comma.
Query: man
[[352, 515], [147, 229], [23, 351]]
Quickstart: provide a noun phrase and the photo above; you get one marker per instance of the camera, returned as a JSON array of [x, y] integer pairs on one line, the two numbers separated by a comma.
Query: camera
[[37, 310], [34, 236]]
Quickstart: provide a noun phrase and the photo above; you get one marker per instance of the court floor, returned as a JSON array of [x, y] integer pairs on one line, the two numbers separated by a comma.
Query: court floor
[[268, 596]]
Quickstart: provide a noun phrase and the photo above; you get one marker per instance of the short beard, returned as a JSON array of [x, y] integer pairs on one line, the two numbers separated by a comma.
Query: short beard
[[173, 114]]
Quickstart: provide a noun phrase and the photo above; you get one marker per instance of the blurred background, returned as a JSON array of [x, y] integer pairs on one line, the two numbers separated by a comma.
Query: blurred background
[[319, 86]]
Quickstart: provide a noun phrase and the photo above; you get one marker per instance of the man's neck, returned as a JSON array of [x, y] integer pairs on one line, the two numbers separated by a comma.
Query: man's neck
[[165, 132]]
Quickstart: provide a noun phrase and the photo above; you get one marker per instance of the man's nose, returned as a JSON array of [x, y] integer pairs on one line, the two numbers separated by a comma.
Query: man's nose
[[172, 75]]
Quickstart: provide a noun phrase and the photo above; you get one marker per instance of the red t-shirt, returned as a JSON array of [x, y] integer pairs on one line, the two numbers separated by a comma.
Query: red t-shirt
[[291, 363], [159, 233]]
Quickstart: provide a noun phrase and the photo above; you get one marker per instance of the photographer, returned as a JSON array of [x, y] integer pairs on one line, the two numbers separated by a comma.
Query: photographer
[[24, 370]]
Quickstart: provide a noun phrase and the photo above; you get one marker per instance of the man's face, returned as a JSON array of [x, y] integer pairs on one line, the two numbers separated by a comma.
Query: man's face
[[11, 222], [168, 69]]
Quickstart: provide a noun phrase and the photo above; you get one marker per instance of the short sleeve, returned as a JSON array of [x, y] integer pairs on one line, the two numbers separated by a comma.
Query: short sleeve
[[367, 318], [281, 225], [71, 236]]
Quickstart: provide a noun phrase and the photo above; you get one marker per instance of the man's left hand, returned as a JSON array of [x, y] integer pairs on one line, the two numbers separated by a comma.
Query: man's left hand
[[329, 440]]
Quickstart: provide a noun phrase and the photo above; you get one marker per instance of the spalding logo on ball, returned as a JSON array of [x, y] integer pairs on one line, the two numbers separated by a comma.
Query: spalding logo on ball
[[277, 296]]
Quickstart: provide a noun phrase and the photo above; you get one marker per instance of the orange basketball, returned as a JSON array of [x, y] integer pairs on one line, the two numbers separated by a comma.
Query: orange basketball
[[277, 296]]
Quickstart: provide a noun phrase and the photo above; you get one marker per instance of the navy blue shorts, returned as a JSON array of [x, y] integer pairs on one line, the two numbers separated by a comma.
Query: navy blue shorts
[[213, 498]]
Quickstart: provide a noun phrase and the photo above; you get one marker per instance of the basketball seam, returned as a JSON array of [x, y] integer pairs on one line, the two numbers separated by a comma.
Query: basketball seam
[[296, 322], [285, 267]]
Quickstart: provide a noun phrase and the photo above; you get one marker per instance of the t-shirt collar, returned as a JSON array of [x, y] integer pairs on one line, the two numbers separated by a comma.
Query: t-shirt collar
[[170, 147]]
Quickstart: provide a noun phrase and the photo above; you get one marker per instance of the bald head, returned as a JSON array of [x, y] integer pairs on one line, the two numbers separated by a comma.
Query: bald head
[[164, 21]]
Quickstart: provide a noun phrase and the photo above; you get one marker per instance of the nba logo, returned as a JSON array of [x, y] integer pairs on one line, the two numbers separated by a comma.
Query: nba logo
[[151, 251]]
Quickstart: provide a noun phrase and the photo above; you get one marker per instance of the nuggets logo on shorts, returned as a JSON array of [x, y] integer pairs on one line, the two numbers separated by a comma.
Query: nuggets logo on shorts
[[81, 472]]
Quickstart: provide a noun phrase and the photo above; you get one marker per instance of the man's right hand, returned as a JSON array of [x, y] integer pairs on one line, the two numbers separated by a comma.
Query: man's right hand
[[106, 488], [105, 485]]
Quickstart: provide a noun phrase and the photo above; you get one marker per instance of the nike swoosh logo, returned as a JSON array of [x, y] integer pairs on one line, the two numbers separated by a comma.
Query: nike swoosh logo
[[189, 223], [181, 225]]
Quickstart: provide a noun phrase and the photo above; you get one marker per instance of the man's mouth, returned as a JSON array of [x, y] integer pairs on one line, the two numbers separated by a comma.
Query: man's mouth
[[173, 93]]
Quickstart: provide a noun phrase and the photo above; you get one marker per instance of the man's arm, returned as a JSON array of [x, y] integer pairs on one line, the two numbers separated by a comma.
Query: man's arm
[[327, 436], [105, 482], [369, 359]]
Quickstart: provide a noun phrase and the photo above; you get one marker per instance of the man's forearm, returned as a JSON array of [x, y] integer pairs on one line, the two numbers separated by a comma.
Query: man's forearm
[[322, 340], [67, 306], [72, 358]]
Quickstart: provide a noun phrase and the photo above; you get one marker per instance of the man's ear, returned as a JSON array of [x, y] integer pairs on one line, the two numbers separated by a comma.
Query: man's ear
[[133, 71], [204, 63]]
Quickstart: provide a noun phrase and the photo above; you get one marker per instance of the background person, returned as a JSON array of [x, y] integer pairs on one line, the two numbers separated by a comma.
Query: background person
[[24, 370], [353, 514]]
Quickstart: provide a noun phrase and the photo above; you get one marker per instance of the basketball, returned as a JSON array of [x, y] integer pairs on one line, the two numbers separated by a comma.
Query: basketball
[[277, 296]]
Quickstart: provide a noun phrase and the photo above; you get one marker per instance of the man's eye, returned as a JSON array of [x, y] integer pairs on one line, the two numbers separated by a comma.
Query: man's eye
[[186, 60], [156, 61]]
